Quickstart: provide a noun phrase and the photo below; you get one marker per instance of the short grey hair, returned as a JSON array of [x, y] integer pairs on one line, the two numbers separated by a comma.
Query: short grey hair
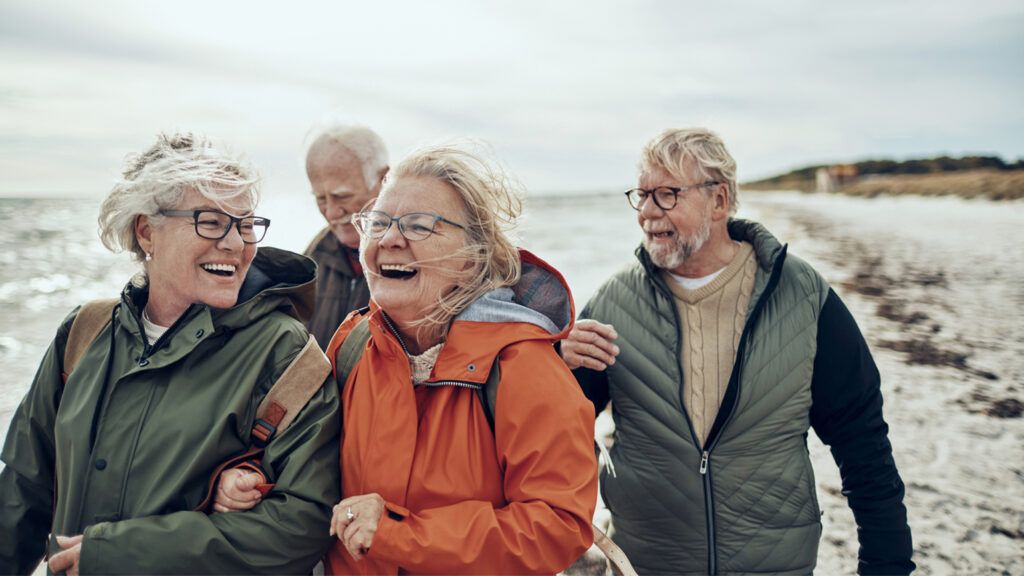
[[157, 179], [676, 149], [363, 143]]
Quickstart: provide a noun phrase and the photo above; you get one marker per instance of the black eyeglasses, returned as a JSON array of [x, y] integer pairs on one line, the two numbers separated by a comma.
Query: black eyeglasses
[[214, 224], [665, 197], [414, 225]]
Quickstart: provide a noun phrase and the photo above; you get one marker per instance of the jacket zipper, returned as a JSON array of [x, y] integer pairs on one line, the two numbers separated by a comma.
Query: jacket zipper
[[709, 524], [709, 512], [458, 383], [394, 331], [716, 432]]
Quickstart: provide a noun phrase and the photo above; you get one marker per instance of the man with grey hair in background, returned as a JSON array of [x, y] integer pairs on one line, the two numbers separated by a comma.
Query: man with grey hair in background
[[718, 351], [346, 165]]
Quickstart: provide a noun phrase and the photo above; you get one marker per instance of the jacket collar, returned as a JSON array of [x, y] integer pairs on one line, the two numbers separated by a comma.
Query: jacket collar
[[276, 280], [331, 254], [539, 307]]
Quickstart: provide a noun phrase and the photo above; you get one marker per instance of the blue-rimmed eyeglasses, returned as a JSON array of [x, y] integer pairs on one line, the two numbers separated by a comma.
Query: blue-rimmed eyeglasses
[[214, 224], [414, 225], [665, 197]]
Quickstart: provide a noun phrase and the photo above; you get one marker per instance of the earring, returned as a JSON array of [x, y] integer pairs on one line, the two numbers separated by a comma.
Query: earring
[[148, 256]]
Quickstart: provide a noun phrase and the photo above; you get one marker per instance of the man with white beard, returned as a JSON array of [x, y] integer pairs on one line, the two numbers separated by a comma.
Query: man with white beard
[[718, 351], [346, 166]]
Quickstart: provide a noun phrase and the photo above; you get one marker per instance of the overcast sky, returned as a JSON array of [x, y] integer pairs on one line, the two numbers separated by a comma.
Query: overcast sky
[[565, 92]]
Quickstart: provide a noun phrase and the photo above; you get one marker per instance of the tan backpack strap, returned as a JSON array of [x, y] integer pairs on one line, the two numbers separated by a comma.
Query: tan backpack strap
[[286, 398], [616, 557], [293, 389], [92, 317]]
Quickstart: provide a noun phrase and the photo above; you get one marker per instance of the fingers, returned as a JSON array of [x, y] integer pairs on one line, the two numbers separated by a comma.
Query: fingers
[[340, 519], [66, 542], [358, 537], [606, 331], [236, 490], [67, 559], [354, 522], [246, 483], [60, 562], [590, 345], [340, 515]]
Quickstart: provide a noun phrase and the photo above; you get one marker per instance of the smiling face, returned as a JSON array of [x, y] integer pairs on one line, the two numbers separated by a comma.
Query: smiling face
[[673, 237], [336, 176], [408, 277], [187, 269]]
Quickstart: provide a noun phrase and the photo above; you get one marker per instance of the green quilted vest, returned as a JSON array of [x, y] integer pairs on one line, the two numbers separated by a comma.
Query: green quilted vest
[[744, 502]]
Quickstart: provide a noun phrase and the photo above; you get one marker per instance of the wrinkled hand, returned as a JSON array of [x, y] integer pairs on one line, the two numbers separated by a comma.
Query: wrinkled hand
[[357, 533], [236, 491], [590, 345], [67, 559]]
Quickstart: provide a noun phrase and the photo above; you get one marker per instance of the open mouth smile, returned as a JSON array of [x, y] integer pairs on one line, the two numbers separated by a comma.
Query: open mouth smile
[[223, 270], [397, 271], [663, 235]]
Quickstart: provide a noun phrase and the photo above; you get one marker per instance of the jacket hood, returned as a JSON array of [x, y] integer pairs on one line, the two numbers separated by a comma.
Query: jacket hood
[[277, 280], [541, 298], [537, 308]]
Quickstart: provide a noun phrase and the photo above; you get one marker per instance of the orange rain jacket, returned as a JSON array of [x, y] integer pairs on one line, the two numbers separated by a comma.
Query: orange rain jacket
[[460, 497]]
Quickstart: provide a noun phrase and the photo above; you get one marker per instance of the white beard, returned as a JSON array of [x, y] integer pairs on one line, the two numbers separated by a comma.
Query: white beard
[[682, 249]]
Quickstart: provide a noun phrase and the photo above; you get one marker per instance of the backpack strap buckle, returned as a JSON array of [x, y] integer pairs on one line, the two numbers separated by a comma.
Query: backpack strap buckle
[[262, 432]]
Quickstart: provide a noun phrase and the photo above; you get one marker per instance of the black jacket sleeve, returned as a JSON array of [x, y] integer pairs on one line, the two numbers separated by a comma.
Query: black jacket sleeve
[[847, 415], [595, 387]]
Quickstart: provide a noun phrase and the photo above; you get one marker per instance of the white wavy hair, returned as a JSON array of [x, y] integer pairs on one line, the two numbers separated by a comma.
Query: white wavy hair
[[677, 149], [157, 179], [363, 143]]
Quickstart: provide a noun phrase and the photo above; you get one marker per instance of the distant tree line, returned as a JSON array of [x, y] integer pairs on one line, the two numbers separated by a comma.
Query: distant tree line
[[940, 164], [891, 167]]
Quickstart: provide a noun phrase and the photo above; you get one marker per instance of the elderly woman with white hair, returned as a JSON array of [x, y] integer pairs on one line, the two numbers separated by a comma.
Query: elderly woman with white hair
[[467, 446], [113, 448]]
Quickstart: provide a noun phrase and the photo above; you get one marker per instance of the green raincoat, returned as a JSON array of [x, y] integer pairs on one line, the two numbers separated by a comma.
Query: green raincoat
[[130, 441]]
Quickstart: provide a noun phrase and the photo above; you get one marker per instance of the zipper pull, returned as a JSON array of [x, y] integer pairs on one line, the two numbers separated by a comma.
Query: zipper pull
[[704, 463]]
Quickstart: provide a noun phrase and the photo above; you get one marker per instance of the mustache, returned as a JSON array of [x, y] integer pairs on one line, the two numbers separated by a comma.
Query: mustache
[[652, 229]]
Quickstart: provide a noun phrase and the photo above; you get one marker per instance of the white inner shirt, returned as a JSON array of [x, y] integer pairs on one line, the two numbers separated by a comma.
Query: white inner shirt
[[153, 331], [695, 283]]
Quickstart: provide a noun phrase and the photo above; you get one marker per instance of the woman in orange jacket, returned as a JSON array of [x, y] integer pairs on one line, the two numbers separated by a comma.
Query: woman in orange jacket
[[429, 485]]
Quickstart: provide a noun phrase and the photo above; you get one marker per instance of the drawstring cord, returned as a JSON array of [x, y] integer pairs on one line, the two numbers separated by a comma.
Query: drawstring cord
[[605, 457]]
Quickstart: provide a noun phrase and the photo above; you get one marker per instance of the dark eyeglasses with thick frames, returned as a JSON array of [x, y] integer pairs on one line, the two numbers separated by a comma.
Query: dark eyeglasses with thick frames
[[413, 226], [665, 197], [214, 224]]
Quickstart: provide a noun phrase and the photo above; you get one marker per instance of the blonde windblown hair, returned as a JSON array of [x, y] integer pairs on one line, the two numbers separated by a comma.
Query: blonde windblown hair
[[492, 202]]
